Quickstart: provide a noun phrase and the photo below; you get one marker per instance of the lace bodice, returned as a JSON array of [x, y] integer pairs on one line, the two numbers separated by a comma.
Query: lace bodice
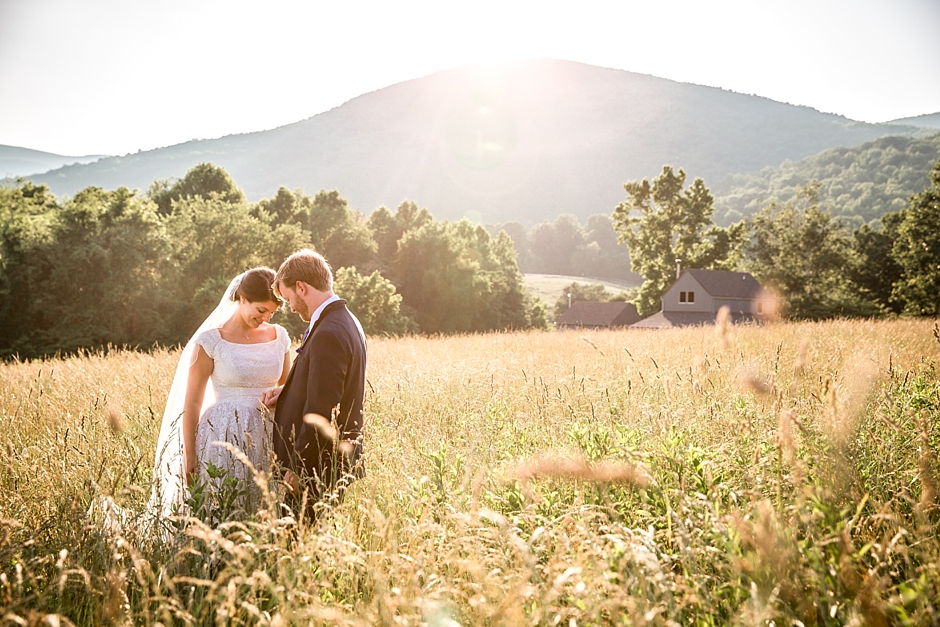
[[243, 370]]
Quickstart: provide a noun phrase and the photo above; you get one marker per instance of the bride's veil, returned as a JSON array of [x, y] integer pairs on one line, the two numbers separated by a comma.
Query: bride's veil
[[168, 494]]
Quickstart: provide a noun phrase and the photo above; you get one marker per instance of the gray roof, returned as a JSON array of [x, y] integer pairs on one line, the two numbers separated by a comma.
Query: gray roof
[[726, 284], [584, 313], [670, 319]]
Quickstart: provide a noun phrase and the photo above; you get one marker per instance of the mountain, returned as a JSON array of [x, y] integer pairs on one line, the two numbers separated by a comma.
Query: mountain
[[15, 161], [859, 184], [928, 120], [526, 141]]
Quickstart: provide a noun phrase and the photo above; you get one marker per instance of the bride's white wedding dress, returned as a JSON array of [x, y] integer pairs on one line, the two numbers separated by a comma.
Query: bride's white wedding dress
[[241, 372], [231, 413], [231, 410]]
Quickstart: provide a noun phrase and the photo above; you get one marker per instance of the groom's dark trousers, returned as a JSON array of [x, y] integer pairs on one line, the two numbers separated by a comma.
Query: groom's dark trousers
[[327, 379]]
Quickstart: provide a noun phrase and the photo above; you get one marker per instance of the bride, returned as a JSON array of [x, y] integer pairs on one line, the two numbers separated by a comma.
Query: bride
[[231, 359]]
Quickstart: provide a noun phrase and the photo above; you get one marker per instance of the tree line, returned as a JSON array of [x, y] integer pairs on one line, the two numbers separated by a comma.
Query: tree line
[[799, 249], [563, 246], [137, 269]]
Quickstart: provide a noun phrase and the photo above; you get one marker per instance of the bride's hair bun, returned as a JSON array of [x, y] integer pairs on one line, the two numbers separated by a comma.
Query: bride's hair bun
[[257, 286]]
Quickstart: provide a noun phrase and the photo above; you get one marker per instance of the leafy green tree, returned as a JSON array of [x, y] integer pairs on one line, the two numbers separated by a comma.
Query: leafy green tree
[[212, 241], [917, 251], [286, 207], [564, 246], [385, 233], [595, 292], [520, 241], [601, 255], [201, 180], [873, 268], [438, 283], [454, 278], [387, 229], [800, 252], [339, 233], [510, 306], [104, 265], [661, 222], [374, 301], [27, 215], [555, 243]]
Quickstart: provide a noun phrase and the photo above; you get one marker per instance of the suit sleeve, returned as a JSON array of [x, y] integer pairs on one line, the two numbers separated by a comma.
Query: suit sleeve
[[329, 362]]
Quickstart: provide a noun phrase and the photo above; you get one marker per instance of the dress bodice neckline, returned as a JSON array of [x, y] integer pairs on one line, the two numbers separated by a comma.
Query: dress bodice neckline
[[219, 330]]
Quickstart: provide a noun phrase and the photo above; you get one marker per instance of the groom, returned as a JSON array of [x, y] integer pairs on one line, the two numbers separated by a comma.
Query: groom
[[318, 419]]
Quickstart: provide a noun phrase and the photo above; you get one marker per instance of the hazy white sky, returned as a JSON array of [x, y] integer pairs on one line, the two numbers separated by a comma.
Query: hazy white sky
[[116, 76]]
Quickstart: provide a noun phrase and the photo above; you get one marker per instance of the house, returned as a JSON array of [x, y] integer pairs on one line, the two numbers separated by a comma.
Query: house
[[697, 295], [593, 315]]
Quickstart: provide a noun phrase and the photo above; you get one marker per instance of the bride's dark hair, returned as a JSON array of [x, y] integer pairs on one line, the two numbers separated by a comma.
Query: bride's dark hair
[[257, 286]]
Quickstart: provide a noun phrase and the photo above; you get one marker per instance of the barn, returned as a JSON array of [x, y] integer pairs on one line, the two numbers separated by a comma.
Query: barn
[[593, 315]]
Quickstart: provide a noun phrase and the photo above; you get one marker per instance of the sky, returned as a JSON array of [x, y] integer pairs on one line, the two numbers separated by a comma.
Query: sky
[[81, 77]]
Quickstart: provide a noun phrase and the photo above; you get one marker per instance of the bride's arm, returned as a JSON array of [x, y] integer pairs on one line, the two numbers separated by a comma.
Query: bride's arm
[[285, 370], [269, 397], [199, 374]]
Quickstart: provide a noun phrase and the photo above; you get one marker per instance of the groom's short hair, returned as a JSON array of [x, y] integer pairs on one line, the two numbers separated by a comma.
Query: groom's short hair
[[308, 266]]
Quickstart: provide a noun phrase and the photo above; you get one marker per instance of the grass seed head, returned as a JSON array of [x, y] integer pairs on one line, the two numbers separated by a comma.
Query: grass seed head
[[562, 467], [723, 326], [749, 379], [115, 420], [785, 435], [927, 463], [800, 364], [322, 425]]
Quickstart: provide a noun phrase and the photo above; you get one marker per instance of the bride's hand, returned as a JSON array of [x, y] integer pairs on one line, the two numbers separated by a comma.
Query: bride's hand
[[269, 397]]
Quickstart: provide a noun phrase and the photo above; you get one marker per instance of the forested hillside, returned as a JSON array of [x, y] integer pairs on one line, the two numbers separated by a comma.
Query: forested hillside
[[526, 142], [859, 184]]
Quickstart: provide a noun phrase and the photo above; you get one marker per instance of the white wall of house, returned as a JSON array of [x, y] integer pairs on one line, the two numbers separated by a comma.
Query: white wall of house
[[677, 297], [745, 305], [687, 294]]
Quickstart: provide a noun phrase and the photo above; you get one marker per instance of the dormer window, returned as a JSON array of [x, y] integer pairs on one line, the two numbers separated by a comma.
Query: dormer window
[[686, 297]]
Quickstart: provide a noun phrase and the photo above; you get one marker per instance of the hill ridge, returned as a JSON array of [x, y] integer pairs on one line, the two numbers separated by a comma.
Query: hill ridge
[[926, 120], [526, 142], [18, 161]]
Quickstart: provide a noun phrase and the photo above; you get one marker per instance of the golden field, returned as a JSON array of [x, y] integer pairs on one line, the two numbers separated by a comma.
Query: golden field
[[783, 475]]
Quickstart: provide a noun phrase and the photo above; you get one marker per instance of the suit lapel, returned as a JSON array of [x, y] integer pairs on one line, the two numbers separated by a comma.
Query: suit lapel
[[323, 314], [329, 308]]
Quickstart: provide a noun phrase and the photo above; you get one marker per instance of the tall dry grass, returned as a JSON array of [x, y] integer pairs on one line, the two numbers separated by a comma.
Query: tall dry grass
[[744, 475]]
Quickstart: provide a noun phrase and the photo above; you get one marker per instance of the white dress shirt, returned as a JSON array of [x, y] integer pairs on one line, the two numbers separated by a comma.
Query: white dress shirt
[[317, 312]]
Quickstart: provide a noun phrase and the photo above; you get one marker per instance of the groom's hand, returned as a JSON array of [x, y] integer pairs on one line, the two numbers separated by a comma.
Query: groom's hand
[[269, 397], [293, 484]]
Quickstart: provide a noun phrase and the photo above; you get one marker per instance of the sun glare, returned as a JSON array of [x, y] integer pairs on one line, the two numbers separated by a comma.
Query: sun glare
[[490, 63]]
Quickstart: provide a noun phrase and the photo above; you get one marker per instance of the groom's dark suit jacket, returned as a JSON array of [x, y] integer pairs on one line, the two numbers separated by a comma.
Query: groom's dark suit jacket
[[329, 371]]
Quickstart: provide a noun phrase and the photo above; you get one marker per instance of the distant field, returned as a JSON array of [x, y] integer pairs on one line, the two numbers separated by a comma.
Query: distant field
[[549, 286], [785, 474]]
